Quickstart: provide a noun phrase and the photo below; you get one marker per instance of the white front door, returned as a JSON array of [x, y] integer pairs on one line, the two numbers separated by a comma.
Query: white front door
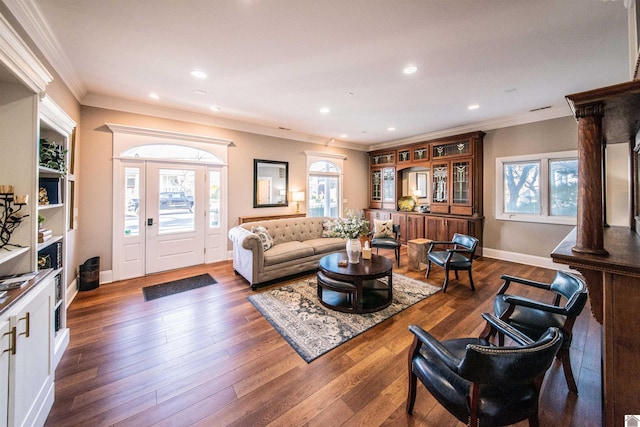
[[168, 216], [174, 216]]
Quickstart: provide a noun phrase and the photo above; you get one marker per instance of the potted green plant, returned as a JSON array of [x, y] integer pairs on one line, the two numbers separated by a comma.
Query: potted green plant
[[53, 156]]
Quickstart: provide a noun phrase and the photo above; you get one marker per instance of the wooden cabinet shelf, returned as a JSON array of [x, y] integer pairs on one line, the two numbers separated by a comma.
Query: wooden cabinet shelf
[[415, 225], [455, 168]]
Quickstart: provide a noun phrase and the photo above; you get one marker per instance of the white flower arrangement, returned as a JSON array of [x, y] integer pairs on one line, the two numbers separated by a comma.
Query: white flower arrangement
[[351, 227]]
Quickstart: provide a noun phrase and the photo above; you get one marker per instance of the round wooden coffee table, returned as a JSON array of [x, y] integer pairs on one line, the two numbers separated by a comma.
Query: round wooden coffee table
[[355, 288]]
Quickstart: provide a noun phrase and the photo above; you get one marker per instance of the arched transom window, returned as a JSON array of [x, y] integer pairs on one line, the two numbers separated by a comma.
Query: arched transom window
[[324, 185]]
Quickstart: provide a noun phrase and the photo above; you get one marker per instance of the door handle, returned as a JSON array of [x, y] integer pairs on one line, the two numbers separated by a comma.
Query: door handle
[[149, 222]]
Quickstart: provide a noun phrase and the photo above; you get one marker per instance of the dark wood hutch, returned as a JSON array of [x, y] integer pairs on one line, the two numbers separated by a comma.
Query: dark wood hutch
[[609, 257], [455, 165]]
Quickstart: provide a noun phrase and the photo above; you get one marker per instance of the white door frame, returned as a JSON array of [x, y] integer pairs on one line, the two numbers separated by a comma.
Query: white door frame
[[126, 137]]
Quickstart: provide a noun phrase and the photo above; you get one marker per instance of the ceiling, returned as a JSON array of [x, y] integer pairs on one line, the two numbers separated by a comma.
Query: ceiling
[[271, 65]]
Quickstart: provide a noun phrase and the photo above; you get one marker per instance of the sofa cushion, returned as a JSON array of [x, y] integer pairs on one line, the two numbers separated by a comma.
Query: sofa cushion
[[382, 228], [292, 229], [265, 237], [287, 251], [326, 244], [327, 227]]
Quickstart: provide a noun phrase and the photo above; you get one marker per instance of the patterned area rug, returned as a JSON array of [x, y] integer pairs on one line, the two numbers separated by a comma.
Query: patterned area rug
[[313, 329]]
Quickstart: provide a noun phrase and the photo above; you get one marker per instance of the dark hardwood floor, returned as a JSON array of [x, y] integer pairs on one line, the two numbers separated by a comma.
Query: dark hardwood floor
[[207, 357]]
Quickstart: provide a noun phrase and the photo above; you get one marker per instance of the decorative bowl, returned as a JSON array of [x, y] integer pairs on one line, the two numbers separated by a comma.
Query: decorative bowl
[[406, 203]]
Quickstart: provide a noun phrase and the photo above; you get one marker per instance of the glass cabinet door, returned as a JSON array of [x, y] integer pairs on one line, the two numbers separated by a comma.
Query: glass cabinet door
[[461, 182], [440, 187], [376, 185], [389, 185]]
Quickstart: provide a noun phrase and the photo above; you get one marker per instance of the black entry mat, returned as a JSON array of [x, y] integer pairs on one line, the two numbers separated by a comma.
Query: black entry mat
[[177, 286]]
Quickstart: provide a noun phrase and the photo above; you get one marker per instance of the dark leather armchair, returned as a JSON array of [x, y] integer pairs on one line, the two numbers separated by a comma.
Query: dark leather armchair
[[388, 242], [455, 255], [533, 318], [481, 384]]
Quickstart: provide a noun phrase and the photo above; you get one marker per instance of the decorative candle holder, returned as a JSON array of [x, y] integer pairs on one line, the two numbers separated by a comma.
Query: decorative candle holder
[[11, 217], [20, 200], [6, 189]]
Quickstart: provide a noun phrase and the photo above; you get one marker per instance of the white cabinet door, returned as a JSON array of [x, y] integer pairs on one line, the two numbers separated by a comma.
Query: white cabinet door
[[31, 368], [6, 345]]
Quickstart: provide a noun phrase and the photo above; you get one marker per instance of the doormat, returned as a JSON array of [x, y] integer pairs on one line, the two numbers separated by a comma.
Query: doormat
[[177, 286], [312, 329]]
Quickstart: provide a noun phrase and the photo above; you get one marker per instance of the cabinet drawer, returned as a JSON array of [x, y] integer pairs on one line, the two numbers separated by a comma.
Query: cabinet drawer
[[439, 208], [460, 210]]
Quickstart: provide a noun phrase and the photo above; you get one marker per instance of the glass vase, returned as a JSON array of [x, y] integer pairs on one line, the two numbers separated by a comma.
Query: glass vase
[[354, 247]]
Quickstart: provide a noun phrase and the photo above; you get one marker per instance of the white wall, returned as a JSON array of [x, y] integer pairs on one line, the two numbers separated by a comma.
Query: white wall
[[534, 239]]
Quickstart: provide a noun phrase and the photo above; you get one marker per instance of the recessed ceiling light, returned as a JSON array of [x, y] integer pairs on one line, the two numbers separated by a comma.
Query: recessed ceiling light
[[473, 107], [154, 96], [199, 74], [201, 92], [344, 135], [391, 129], [410, 69], [215, 108], [325, 110]]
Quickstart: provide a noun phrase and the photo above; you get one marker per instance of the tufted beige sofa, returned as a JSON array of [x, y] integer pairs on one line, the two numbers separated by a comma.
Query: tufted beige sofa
[[297, 247]]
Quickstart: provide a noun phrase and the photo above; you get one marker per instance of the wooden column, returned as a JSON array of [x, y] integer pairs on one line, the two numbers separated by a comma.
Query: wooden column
[[589, 238], [611, 114]]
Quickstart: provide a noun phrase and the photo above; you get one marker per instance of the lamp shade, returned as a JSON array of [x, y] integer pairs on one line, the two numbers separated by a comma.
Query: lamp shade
[[297, 196]]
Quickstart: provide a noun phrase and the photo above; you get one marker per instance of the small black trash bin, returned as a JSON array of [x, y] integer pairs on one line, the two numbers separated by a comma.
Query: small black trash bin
[[90, 274]]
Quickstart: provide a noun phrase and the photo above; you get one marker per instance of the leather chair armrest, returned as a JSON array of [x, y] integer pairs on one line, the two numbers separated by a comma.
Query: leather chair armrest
[[462, 251], [434, 243], [434, 345], [526, 302], [506, 329], [508, 279]]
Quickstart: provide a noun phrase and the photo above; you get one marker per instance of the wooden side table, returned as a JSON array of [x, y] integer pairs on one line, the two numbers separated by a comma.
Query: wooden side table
[[417, 251]]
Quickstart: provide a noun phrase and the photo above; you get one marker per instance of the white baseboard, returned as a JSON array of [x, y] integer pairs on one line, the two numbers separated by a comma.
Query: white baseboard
[[72, 291], [537, 261], [106, 276]]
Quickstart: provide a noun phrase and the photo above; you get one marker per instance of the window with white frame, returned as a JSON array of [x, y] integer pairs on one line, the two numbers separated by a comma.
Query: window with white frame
[[324, 184], [538, 188]]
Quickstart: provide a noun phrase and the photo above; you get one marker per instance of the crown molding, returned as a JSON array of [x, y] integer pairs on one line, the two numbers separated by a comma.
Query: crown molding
[[29, 17], [117, 104], [16, 56], [51, 113], [498, 123]]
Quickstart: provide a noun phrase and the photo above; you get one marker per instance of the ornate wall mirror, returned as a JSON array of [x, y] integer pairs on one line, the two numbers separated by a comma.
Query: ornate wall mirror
[[270, 183]]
